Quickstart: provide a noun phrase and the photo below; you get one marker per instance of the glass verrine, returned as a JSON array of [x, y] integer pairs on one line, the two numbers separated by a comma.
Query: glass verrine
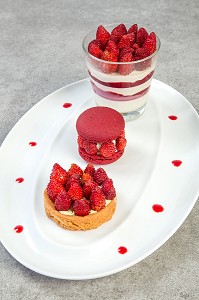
[[128, 94]]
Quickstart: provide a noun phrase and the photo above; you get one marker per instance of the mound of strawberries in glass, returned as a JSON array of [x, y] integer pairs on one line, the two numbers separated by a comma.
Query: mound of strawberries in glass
[[80, 190], [122, 45]]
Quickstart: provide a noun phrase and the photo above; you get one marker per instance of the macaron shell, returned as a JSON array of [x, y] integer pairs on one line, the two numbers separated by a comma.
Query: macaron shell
[[100, 124]]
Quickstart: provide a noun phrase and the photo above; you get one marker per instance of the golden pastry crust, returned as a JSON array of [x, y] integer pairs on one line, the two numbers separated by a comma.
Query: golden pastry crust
[[74, 222]]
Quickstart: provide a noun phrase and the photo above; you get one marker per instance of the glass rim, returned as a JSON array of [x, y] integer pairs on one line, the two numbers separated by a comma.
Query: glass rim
[[118, 63]]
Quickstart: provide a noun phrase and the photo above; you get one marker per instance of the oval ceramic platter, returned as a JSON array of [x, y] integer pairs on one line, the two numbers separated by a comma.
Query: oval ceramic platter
[[157, 183]]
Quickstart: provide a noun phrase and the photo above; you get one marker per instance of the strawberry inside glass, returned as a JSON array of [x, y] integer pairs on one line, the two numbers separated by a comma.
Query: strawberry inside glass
[[121, 60]]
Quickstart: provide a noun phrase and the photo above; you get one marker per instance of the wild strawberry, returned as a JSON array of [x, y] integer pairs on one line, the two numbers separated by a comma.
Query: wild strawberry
[[80, 141], [74, 178], [126, 69], [90, 169], [113, 48], [150, 43], [139, 54], [135, 46], [86, 177], [108, 189], [120, 143], [106, 67], [126, 40], [126, 50], [88, 186], [107, 149], [59, 174], [97, 200], [100, 176], [75, 191], [141, 36], [75, 169], [94, 49], [102, 35], [118, 32], [90, 148], [54, 188], [81, 207], [134, 29], [63, 201]]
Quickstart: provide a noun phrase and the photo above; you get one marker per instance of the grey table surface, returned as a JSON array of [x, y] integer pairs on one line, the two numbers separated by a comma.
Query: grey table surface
[[40, 52]]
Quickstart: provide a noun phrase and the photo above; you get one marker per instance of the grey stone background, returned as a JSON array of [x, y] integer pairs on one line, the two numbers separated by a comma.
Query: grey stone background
[[40, 52]]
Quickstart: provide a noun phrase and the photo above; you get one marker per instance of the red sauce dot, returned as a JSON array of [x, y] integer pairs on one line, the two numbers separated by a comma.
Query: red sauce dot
[[32, 144], [173, 118], [122, 250], [18, 228], [67, 105], [158, 208], [19, 180], [176, 163]]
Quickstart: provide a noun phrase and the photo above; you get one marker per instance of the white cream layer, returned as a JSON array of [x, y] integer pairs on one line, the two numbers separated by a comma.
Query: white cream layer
[[122, 106]]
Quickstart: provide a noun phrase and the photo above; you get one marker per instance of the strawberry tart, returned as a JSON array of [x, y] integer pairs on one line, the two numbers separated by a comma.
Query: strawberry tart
[[79, 199], [121, 60], [101, 135]]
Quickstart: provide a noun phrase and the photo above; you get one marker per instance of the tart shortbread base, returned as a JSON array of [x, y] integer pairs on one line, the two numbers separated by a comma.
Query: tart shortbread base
[[91, 221]]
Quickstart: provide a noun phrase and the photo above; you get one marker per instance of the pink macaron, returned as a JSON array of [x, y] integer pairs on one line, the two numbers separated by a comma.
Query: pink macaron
[[101, 135]]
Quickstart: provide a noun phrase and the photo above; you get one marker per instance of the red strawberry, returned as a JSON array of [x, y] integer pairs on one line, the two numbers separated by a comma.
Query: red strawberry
[[126, 50], [88, 187], [90, 169], [54, 188], [63, 201], [97, 200], [113, 48], [80, 141], [141, 36], [94, 49], [142, 53], [134, 29], [75, 191], [59, 174], [100, 175], [120, 143], [107, 149], [126, 69], [81, 207], [135, 46], [106, 67], [108, 189], [126, 40], [150, 43], [74, 178], [75, 169], [118, 32], [90, 148], [86, 177], [102, 35]]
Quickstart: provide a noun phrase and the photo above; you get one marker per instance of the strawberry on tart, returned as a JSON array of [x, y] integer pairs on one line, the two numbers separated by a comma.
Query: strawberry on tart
[[79, 200], [101, 136]]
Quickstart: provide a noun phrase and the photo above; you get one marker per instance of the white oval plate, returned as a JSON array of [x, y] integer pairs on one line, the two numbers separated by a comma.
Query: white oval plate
[[144, 176]]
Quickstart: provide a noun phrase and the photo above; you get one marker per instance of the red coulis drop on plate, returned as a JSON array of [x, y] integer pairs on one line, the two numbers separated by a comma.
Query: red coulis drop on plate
[[158, 208], [122, 250], [67, 105], [173, 118], [18, 228], [19, 180]]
